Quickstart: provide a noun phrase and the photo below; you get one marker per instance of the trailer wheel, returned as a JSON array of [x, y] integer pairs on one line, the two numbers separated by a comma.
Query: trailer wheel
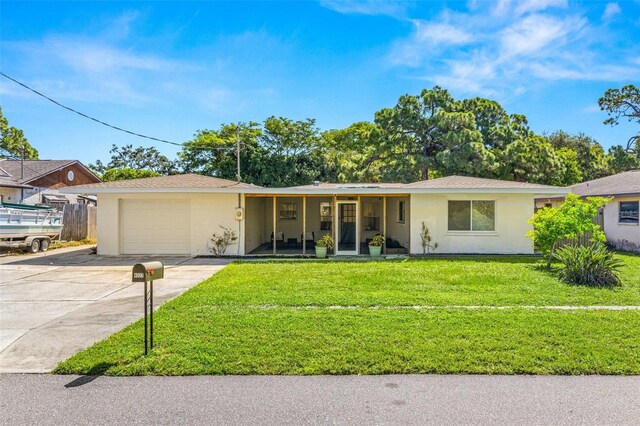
[[35, 246], [44, 244]]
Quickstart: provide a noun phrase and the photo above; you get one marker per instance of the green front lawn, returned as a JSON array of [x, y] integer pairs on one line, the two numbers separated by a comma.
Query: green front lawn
[[297, 317]]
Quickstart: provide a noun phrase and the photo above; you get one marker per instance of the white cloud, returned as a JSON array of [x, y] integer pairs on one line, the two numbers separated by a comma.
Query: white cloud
[[611, 10], [98, 57], [366, 7], [428, 38], [527, 6], [536, 32], [440, 33], [503, 8], [493, 51]]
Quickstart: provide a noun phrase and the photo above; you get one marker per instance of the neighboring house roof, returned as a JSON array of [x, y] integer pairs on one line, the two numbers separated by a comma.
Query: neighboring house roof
[[34, 169], [8, 182], [198, 183], [626, 183], [188, 181]]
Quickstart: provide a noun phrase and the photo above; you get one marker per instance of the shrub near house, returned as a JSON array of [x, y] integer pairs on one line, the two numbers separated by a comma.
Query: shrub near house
[[572, 219]]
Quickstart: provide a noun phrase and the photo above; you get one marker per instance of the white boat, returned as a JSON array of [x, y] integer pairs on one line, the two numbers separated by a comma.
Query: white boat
[[20, 221]]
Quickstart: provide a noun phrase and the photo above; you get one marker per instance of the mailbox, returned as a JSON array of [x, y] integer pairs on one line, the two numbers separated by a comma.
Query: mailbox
[[148, 271]]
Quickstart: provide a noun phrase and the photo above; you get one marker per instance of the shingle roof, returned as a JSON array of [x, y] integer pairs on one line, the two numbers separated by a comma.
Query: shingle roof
[[350, 186], [199, 183], [8, 182], [467, 182], [33, 169], [620, 184], [167, 182]]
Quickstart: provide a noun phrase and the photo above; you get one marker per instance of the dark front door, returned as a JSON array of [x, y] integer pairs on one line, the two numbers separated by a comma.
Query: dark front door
[[347, 228]]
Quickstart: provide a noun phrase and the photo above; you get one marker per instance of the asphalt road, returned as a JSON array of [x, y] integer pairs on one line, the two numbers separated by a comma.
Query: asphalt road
[[352, 400]]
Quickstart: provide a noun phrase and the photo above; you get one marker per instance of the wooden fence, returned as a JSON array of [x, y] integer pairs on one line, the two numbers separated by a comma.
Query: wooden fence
[[79, 222], [584, 239]]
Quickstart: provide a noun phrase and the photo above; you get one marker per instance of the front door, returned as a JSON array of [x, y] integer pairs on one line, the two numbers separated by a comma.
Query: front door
[[347, 230]]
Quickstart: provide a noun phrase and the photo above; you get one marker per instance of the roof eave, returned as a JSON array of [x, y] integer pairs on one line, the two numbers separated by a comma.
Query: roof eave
[[340, 191]]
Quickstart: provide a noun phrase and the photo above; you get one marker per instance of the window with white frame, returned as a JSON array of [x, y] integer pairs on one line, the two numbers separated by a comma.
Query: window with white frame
[[472, 215], [628, 212]]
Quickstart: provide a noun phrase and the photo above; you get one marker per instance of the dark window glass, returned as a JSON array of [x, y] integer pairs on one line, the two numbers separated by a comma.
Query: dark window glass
[[459, 215], [484, 216], [628, 212]]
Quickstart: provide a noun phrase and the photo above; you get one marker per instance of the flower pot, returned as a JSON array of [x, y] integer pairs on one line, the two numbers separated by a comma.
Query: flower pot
[[321, 252], [374, 251]]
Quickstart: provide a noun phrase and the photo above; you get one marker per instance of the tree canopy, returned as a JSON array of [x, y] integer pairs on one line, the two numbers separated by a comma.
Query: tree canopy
[[278, 152], [127, 173], [12, 141], [623, 103], [422, 136], [140, 158]]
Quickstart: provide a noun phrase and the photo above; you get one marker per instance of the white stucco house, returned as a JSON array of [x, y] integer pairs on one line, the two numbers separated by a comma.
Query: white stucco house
[[620, 218], [178, 214]]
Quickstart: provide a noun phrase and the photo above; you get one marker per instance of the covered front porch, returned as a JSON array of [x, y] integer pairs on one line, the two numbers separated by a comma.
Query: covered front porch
[[292, 224]]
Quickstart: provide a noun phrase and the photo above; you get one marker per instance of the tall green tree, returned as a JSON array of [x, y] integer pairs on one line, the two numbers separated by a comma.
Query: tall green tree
[[126, 174], [350, 154], [13, 143], [620, 160], [293, 151], [622, 103], [591, 158], [417, 128], [534, 159], [139, 158], [213, 153], [281, 152]]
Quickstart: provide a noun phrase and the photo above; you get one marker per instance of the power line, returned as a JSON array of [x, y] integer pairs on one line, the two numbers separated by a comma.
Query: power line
[[111, 125]]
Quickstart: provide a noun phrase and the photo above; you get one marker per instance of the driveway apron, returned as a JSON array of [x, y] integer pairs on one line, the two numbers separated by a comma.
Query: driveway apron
[[55, 304]]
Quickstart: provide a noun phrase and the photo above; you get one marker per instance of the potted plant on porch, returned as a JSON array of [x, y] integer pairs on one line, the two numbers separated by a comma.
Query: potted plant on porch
[[324, 243], [375, 245]]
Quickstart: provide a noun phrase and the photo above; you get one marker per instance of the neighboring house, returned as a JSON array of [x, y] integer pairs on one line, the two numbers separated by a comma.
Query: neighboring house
[[178, 215], [619, 220], [39, 181]]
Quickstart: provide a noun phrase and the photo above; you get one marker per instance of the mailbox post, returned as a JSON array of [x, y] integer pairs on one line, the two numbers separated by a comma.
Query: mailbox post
[[148, 272]]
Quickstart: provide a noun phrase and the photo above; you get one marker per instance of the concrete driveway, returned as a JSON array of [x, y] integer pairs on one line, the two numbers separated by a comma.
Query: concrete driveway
[[55, 304]]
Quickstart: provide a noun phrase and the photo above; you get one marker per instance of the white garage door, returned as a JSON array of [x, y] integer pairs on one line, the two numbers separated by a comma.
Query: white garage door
[[155, 227]]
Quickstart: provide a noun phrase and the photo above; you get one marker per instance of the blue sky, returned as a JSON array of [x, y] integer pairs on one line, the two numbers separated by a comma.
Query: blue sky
[[168, 69]]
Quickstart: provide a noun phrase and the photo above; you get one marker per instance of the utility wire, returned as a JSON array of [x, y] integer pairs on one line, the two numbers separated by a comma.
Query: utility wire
[[110, 125]]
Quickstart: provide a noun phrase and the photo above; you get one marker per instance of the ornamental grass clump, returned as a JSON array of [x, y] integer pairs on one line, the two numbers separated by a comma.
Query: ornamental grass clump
[[591, 265]]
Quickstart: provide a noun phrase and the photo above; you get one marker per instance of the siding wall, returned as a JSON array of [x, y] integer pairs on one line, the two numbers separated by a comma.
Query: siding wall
[[10, 195], [623, 236], [395, 229], [208, 211], [512, 214]]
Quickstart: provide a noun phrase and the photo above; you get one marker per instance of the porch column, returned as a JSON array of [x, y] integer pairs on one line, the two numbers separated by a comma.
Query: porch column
[[358, 225], [335, 224], [274, 224], [304, 225], [384, 223]]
